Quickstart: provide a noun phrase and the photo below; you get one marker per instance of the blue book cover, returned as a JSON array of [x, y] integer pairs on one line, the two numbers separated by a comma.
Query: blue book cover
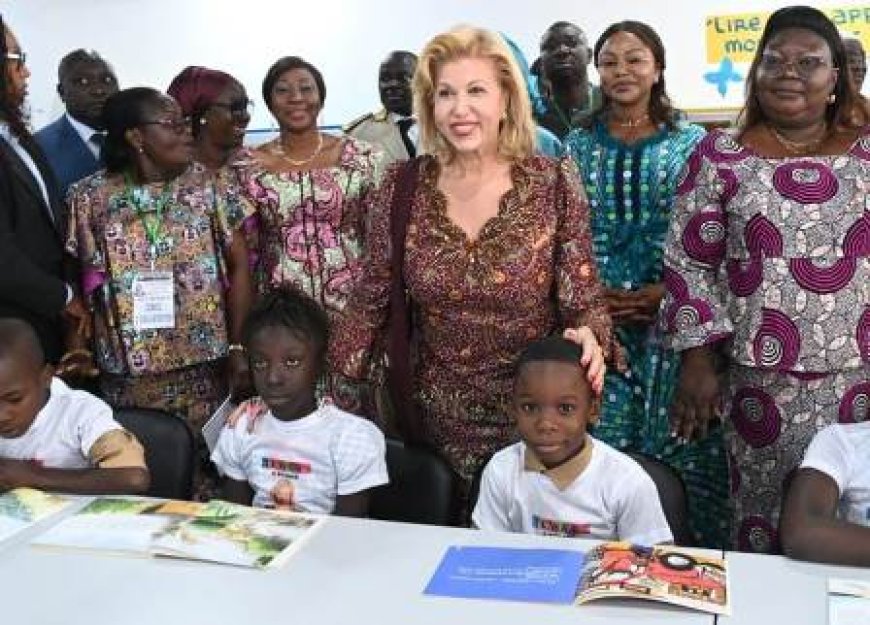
[[535, 575]]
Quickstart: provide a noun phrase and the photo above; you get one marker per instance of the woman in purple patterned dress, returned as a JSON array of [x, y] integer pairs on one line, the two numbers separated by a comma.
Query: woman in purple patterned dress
[[768, 264]]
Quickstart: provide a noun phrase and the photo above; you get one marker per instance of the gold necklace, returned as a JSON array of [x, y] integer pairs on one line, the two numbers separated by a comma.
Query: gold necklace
[[297, 163], [797, 147], [632, 123]]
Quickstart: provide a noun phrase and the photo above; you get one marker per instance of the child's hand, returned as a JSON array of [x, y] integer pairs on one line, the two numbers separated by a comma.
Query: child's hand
[[254, 408], [593, 356]]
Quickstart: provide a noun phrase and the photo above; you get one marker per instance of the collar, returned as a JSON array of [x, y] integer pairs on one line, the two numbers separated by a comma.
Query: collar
[[83, 130], [564, 474], [395, 117]]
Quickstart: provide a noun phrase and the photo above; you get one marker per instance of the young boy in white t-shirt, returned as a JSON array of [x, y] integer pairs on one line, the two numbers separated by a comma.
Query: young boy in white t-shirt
[[56, 438], [559, 480], [297, 456], [826, 517]]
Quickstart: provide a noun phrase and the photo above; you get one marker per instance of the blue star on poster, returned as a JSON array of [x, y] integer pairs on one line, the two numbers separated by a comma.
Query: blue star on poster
[[723, 76]]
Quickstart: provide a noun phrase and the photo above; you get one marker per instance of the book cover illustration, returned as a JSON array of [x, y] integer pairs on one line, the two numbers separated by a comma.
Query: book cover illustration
[[661, 573], [21, 508], [216, 531]]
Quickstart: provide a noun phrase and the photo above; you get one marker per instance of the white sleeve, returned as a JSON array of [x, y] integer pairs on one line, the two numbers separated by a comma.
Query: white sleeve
[[492, 510], [360, 457], [93, 419], [830, 453], [227, 454], [641, 519]]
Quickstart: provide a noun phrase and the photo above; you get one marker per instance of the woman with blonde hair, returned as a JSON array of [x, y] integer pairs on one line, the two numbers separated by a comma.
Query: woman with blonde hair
[[489, 241]]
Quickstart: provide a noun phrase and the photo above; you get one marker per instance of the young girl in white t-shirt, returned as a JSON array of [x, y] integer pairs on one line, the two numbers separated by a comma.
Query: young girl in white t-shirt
[[298, 455]]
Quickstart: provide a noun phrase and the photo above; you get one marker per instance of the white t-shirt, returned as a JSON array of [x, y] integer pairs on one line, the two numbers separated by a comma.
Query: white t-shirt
[[304, 464], [842, 451], [613, 498], [62, 434]]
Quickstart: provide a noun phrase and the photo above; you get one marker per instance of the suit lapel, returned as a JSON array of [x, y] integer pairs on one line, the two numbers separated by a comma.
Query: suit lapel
[[22, 172], [82, 153]]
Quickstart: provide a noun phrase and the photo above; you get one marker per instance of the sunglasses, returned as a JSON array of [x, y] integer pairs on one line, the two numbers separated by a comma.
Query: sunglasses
[[238, 109], [179, 125]]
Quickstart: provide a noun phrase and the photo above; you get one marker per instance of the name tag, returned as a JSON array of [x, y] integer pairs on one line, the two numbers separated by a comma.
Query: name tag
[[153, 301]]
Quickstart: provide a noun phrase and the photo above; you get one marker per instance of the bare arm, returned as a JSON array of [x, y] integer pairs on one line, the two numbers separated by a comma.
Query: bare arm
[[101, 481], [810, 529], [239, 492], [355, 505], [240, 297]]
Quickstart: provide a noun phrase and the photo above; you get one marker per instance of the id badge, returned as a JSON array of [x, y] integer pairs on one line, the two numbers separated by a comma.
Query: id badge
[[153, 300]]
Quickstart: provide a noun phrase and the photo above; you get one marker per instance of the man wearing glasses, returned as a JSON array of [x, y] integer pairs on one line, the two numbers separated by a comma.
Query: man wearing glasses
[[33, 286], [72, 143]]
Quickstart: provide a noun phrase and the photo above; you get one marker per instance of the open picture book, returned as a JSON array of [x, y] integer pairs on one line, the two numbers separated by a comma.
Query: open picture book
[[217, 531], [613, 570], [21, 508], [661, 573]]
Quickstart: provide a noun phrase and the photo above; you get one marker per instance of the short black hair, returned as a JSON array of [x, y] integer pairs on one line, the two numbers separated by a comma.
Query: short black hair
[[17, 339], [289, 308], [285, 64], [77, 57], [124, 110], [550, 349]]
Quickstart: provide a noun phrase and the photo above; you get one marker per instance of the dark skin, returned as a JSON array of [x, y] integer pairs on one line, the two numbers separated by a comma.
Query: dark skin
[[794, 106], [553, 405], [75, 314], [810, 529], [394, 82], [163, 151], [857, 60], [565, 55], [222, 127], [24, 390], [84, 89], [295, 103], [285, 368]]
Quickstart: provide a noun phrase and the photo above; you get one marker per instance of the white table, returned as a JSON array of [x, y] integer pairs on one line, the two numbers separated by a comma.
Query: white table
[[773, 590], [351, 572]]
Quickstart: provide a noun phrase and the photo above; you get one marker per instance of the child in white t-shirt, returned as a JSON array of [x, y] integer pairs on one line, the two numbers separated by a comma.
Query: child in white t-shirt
[[826, 517], [559, 480], [298, 455], [56, 438]]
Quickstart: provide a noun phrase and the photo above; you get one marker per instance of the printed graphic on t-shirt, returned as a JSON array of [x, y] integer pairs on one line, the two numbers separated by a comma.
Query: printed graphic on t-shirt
[[566, 529], [283, 491]]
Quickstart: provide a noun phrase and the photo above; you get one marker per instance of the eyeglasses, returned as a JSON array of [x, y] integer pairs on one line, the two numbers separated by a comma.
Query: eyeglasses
[[237, 108], [179, 126], [20, 57], [804, 66]]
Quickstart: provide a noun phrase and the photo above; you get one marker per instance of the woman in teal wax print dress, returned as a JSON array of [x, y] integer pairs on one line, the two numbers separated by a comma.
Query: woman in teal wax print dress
[[630, 153]]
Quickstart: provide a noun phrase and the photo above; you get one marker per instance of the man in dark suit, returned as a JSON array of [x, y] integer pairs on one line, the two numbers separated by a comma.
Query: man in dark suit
[[33, 285], [72, 142]]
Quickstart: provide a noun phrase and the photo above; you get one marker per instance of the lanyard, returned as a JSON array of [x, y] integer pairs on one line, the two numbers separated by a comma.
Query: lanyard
[[149, 210]]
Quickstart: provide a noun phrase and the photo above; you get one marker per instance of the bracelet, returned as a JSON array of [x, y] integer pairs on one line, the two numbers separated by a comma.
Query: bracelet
[[76, 352], [236, 347]]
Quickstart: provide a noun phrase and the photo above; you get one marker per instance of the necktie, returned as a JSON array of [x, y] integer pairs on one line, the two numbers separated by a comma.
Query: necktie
[[404, 125], [99, 140]]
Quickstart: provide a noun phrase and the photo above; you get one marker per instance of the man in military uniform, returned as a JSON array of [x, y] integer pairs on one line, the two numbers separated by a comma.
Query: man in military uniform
[[393, 129]]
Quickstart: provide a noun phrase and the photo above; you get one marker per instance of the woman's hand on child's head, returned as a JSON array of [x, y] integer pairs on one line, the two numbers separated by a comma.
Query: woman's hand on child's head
[[253, 408], [593, 356]]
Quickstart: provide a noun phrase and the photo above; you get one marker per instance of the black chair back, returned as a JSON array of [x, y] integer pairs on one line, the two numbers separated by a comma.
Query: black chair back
[[420, 490], [169, 449], [672, 494]]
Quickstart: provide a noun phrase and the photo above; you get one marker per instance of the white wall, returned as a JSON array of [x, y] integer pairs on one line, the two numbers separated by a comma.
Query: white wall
[[149, 41]]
